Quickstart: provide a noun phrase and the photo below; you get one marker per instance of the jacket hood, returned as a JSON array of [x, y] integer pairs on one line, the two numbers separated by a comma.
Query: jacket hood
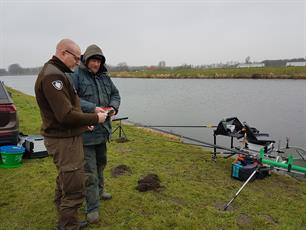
[[90, 52], [93, 50]]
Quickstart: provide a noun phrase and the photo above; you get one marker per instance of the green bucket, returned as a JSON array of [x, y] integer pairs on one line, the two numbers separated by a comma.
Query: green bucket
[[11, 156]]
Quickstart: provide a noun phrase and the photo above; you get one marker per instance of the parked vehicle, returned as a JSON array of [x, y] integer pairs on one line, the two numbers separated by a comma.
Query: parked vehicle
[[9, 124]]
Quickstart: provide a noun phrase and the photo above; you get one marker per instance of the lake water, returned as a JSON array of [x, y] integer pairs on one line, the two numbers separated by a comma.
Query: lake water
[[277, 107]]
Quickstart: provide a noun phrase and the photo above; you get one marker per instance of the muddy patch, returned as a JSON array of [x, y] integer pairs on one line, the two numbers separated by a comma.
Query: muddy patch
[[2, 204], [243, 220], [270, 219], [149, 182], [178, 201], [220, 206], [121, 170]]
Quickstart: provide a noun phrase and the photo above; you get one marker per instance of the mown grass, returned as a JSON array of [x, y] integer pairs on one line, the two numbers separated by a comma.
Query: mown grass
[[194, 188], [28, 112], [260, 73]]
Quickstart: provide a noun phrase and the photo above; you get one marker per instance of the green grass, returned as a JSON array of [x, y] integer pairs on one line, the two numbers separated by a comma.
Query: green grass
[[28, 112], [194, 188], [262, 72]]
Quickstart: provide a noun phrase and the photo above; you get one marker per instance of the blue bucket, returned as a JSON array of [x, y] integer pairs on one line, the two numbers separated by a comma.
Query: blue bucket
[[11, 156]]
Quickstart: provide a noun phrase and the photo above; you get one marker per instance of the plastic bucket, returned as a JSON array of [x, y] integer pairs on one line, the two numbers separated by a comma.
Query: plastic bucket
[[11, 156]]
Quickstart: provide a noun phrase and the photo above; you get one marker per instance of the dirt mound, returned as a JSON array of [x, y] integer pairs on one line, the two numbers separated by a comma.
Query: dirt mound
[[149, 182], [120, 170], [220, 206], [244, 220]]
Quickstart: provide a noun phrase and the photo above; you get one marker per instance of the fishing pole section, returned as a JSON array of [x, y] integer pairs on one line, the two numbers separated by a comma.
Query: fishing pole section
[[230, 127]]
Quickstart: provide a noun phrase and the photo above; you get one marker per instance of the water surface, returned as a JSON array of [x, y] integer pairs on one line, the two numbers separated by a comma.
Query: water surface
[[277, 107]]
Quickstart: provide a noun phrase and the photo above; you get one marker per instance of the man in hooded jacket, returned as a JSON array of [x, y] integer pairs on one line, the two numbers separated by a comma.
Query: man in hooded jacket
[[98, 93]]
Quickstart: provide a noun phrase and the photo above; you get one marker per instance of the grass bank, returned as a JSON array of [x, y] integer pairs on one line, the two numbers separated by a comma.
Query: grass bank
[[220, 73], [194, 188]]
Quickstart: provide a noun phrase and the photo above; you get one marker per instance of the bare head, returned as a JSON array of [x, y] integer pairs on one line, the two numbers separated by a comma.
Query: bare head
[[68, 52]]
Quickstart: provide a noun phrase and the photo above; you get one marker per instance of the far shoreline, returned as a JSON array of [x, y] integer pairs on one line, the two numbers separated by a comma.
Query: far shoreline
[[296, 73], [195, 78], [220, 78]]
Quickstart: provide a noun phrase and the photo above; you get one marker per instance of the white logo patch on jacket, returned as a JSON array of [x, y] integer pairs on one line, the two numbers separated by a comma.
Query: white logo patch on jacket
[[57, 84]]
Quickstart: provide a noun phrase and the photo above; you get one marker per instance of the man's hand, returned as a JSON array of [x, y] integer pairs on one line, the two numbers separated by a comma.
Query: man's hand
[[90, 128], [109, 110], [99, 110], [102, 116]]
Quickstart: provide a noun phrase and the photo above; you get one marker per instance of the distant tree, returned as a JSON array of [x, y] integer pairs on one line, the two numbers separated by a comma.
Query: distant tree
[[248, 60], [162, 64], [183, 66], [15, 69], [122, 66], [281, 62], [3, 72]]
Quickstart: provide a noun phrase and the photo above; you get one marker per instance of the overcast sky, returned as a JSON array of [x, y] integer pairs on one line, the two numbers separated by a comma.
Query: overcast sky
[[144, 32]]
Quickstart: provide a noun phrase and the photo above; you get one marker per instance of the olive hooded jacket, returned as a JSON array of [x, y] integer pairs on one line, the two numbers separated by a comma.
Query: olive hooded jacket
[[95, 90]]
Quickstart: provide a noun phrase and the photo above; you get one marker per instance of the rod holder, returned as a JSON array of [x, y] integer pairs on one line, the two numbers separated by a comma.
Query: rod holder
[[122, 136]]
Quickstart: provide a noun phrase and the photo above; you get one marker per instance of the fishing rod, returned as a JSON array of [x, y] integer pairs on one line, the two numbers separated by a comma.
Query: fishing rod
[[228, 155], [181, 126], [203, 143], [231, 151], [198, 141]]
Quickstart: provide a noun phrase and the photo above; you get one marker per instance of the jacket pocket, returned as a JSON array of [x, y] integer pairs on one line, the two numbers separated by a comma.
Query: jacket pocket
[[51, 145], [106, 84], [87, 91]]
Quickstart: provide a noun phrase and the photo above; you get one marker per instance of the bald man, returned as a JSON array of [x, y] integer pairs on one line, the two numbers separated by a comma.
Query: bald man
[[63, 122]]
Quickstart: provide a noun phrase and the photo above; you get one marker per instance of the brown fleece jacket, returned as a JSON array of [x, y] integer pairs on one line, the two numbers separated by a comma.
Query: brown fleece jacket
[[58, 102]]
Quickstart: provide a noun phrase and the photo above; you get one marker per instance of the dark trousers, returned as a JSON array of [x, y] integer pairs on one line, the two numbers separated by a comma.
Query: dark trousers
[[68, 157], [95, 162]]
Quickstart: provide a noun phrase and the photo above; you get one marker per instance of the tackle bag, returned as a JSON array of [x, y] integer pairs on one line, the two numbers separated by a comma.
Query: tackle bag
[[244, 166]]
